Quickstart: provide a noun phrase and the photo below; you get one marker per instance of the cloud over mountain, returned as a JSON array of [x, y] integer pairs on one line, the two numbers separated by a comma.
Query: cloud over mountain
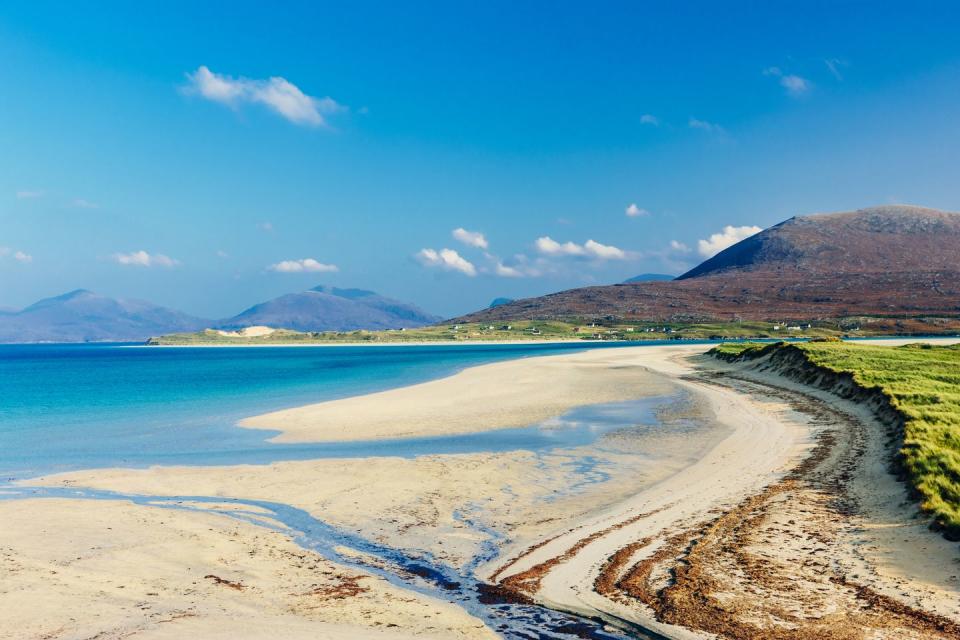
[[304, 265], [589, 249], [730, 236], [447, 260]]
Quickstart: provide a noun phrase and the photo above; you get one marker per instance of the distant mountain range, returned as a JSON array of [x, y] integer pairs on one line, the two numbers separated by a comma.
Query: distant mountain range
[[895, 262], [892, 261], [649, 277], [84, 316], [332, 309]]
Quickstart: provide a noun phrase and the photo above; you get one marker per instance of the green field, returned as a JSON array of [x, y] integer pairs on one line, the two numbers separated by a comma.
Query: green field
[[524, 330], [923, 383]]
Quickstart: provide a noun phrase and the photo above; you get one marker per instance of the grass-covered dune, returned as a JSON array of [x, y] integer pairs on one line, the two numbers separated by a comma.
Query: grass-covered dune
[[921, 385]]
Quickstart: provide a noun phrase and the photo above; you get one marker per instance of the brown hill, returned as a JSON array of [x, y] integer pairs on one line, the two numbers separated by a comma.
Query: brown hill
[[883, 261]]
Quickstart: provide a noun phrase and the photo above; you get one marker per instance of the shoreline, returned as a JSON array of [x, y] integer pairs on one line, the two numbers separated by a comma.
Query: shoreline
[[560, 572], [454, 508], [421, 343], [475, 400], [514, 393], [600, 552], [731, 555], [619, 343]]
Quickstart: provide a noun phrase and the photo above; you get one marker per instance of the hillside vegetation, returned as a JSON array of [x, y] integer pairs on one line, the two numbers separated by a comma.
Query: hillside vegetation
[[525, 330], [922, 383]]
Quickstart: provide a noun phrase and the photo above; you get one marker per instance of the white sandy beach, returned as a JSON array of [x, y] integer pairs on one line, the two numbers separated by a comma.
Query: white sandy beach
[[110, 569], [514, 393], [413, 503]]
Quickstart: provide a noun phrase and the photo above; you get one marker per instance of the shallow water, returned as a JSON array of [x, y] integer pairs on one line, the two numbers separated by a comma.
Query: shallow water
[[76, 407], [68, 407]]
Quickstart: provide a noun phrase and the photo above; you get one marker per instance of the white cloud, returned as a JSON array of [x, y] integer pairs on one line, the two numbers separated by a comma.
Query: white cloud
[[277, 94], [19, 256], [216, 87], [446, 259], [604, 251], [590, 249], [519, 269], [265, 226], [650, 119], [470, 238], [794, 84], [85, 204], [144, 259], [679, 247], [28, 195], [703, 125], [222, 254], [304, 265], [506, 271], [634, 211], [550, 247], [728, 237]]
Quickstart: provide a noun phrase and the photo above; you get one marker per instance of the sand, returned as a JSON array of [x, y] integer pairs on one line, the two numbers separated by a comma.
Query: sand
[[444, 504], [257, 331], [790, 528], [756, 500], [734, 468], [515, 393], [77, 569]]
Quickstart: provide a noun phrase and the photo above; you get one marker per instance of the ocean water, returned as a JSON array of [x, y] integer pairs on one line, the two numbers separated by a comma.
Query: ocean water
[[66, 407]]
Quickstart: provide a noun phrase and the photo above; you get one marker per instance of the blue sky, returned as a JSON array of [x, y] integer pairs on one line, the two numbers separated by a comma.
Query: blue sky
[[210, 157]]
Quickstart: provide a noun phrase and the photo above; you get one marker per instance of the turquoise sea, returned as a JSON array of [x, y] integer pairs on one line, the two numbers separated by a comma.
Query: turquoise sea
[[65, 407]]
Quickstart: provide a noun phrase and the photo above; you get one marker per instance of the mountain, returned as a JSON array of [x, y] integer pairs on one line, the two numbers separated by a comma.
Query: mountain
[[881, 261], [499, 301], [332, 309], [649, 277], [84, 316]]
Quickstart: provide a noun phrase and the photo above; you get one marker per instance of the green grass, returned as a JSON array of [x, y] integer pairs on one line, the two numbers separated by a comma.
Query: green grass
[[518, 330], [608, 328], [923, 383]]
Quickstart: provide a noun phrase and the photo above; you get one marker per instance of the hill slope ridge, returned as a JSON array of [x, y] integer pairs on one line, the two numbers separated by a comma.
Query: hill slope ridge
[[885, 261], [85, 316], [331, 309]]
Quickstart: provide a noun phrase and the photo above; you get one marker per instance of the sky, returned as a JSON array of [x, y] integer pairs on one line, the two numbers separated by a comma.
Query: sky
[[210, 156]]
